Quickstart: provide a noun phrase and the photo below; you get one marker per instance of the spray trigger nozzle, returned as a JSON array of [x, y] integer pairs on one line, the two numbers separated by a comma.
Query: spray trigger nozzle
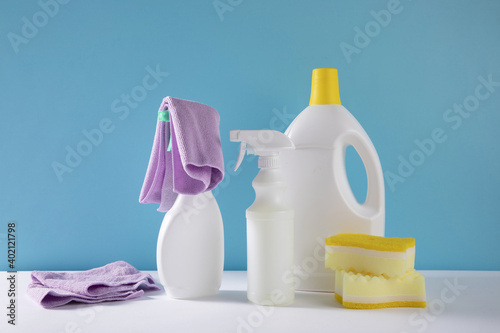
[[243, 148], [262, 143]]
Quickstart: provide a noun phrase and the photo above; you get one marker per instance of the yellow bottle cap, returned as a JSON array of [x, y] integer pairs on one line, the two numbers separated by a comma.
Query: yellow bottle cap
[[325, 86]]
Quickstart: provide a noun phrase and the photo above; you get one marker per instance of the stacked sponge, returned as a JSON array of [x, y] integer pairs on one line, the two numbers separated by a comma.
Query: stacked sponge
[[375, 272]]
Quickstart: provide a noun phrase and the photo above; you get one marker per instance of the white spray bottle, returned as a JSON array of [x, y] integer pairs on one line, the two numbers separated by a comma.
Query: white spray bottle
[[270, 230]]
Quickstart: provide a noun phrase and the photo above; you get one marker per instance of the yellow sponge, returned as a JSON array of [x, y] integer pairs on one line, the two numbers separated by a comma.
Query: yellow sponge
[[370, 254], [368, 291]]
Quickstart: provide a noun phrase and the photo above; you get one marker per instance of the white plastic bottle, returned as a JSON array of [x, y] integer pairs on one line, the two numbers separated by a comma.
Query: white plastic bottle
[[319, 190], [190, 249], [269, 221]]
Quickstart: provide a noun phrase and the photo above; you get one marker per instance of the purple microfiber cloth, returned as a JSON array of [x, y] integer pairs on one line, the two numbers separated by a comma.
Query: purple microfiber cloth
[[194, 165], [113, 282]]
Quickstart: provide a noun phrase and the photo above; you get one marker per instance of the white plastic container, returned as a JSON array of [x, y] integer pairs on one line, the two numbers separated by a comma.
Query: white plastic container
[[319, 190], [269, 221], [190, 250]]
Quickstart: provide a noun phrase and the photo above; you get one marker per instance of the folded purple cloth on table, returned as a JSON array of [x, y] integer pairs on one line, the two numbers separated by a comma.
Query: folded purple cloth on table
[[113, 282], [194, 165]]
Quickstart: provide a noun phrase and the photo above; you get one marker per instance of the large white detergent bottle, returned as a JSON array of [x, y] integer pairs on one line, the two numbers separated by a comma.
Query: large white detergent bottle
[[269, 221], [319, 190], [190, 249]]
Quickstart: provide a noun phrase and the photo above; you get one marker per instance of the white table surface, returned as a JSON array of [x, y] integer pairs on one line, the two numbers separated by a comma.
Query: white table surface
[[473, 306]]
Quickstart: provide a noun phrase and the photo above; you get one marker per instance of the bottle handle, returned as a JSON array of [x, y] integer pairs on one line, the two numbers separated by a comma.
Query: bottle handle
[[375, 196]]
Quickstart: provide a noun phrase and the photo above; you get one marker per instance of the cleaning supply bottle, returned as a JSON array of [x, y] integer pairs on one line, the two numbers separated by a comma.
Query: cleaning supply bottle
[[319, 190], [269, 221], [190, 248]]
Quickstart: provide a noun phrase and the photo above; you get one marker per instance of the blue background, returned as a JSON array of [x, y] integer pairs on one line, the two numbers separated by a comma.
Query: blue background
[[253, 64]]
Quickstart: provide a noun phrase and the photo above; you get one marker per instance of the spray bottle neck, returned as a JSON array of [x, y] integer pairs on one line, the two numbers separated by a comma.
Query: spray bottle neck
[[269, 162]]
